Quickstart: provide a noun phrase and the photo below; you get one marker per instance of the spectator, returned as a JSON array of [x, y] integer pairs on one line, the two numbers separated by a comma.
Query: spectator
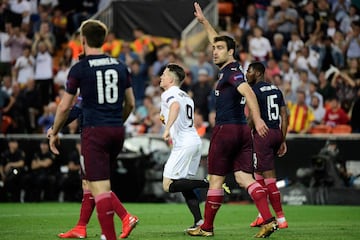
[[24, 67], [345, 88], [339, 41], [309, 22], [22, 8], [69, 181], [286, 71], [5, 50], [340, 8], [46, 120], [262, 8], [278, 49], [59, 22], [324, 14], [335, 115], [45, 35], [250, 13], [268, 19], [155, 125], [44, 72], [144, 109], [318, 110], [201, 63], [61, 75], [153, 89], [12, 168], [351, 16], [6, 84], [6, 102], [294, 45], [162, 54], [286, 19], [303, 83], [139, 75], [85, 9], [40, 182], [272, 70], [259, 46], [199, 124], [127, 55], [301, 116], [353, 71], [325, 88], [17, 110], [200, 92], [352, 46], [75, 45], [112, 45], [313, 92], [43, 16], [33, 105], [143, 45], [67, 57], [331, 28], [17, 40], [308, 60], [330, 55]]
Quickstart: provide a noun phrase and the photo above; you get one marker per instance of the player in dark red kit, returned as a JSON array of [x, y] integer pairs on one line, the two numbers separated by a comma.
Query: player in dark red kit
[[231, 140], [273, 111], [107, 101]]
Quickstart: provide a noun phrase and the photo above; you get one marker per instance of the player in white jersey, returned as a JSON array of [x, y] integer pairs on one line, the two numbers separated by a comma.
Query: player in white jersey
[[177, 113]]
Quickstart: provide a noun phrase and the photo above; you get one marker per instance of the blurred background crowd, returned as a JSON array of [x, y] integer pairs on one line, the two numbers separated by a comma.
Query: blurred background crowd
[[311, 50]]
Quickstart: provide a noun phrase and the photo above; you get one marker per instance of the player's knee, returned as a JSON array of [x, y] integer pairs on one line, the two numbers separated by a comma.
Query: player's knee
[[166, 186]]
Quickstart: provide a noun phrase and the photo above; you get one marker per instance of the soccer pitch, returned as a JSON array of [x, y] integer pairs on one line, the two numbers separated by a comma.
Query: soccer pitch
[[42, 221]]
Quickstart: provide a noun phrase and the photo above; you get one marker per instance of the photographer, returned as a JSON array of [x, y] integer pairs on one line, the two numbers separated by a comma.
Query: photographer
[[12, 165]]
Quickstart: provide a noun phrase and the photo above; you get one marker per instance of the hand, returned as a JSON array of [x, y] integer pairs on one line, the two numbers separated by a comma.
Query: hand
[[49, 132], [53, 141], [261, 128], [282, 150], [166, 135], [162, 119], [198, 13]]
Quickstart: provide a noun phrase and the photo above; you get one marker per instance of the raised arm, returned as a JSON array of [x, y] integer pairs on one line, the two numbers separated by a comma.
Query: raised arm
[[202, 19]]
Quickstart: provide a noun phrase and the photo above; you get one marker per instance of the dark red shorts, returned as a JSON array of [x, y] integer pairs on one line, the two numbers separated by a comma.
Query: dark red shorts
[[265, 149], [100, 147], [230, 149]]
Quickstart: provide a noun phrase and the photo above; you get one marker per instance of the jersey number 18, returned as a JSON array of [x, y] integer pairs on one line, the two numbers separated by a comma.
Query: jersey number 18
[[108, 89]]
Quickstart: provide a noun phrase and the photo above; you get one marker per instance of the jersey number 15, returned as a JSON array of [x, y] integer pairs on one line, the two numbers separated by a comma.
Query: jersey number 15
[[271, 104]]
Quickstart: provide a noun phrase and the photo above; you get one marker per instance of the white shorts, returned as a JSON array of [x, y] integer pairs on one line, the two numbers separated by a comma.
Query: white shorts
[[183, 163]]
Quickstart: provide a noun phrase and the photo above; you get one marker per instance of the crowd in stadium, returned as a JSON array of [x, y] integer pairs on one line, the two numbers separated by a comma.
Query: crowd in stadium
[[311, 50]]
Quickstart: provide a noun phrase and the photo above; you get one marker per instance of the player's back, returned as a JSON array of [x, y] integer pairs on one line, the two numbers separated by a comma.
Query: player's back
[[102, 81], [270, 101], [183, 131]]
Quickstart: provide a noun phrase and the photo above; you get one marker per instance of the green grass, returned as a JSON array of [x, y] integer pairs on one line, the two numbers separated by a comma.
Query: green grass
[[167, 221]]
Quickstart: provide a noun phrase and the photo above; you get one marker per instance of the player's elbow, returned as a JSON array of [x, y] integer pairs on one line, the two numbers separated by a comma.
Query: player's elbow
[[62, 108]]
